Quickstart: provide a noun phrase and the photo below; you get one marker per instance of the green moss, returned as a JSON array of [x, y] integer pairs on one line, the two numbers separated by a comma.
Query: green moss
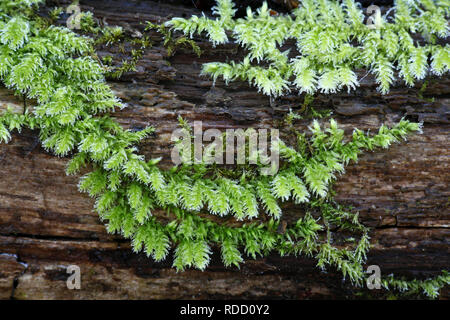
[[332, 41]]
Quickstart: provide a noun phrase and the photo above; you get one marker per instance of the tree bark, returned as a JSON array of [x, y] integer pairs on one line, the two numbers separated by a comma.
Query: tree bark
[[402, 192]]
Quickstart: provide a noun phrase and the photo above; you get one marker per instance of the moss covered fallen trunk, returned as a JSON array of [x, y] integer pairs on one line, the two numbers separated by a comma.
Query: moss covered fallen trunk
[[45, 224]]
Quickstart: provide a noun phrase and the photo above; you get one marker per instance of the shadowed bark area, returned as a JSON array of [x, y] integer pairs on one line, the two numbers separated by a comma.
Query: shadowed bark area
[[46, 224]]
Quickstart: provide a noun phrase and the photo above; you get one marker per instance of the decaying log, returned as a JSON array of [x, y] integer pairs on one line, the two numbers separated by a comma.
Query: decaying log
[[46, 224]]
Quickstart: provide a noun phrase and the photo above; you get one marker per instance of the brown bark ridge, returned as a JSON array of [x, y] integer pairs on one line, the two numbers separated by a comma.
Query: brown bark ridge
[[47, 225]]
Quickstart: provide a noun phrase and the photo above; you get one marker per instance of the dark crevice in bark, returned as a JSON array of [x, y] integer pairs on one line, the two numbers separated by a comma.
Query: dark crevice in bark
[[62, 239], [16, 279]]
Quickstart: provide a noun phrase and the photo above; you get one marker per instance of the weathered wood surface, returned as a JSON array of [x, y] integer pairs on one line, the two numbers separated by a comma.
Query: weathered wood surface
[[46, 224]]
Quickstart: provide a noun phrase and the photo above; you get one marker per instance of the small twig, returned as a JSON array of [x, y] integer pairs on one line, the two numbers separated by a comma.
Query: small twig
[[24, 104]]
